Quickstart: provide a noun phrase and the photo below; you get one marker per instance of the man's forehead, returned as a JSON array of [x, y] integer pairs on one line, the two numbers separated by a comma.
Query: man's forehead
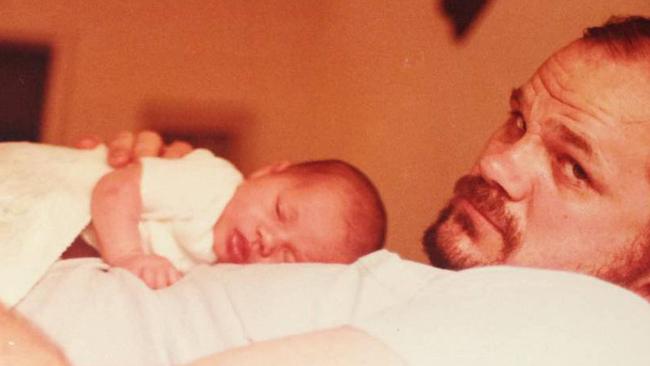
[[620, 87], [609, 100], [586, 76]]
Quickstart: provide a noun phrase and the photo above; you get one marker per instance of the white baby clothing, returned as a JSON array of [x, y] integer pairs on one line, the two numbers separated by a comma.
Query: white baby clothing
[[181, 201]]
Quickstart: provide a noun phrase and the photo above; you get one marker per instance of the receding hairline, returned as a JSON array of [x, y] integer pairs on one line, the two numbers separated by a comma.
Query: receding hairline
[[623, 37]]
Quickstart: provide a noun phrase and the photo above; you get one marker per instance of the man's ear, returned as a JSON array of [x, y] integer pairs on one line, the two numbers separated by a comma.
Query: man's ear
[[273, 168]]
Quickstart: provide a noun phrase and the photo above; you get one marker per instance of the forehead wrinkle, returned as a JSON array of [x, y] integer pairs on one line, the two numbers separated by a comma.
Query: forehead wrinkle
[[554, 77], [647, 169], [635, 122]]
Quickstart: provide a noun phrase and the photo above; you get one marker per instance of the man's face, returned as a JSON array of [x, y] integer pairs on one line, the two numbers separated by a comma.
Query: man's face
[[277, 218], [564, 183]]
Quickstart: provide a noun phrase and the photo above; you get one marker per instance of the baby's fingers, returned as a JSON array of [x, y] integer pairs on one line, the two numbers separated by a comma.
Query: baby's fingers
[[160, 276], [149, 276], [173, 275], [166, 277]]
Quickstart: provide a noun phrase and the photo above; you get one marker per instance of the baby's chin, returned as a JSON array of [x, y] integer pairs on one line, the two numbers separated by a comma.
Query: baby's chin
[[219, 238], [219, 249]]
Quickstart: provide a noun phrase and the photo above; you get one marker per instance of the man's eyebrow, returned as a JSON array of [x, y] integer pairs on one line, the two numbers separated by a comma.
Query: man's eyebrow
[[516, 95], [575, 139]]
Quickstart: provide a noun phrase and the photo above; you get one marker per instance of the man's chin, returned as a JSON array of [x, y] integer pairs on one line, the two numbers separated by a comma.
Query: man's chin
[[448, 245], [454, 255]]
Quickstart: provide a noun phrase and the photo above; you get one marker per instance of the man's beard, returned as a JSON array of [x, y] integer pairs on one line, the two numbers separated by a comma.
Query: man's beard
[[444, 248], [631, 265]]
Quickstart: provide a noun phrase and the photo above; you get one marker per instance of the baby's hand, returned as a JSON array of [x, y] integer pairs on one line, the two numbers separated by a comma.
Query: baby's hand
[[157, 272]]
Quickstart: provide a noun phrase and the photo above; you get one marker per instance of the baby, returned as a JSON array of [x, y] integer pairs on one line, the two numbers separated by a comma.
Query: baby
[[159, 217]]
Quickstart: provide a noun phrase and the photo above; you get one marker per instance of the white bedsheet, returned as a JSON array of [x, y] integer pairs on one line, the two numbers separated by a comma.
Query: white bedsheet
[[106, 317], [44, 204]]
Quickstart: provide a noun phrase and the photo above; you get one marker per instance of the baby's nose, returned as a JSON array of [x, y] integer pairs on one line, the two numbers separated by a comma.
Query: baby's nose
[[269, 240]]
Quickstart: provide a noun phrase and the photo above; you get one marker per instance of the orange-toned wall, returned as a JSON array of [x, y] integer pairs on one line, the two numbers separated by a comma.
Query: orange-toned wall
[[378, 83]]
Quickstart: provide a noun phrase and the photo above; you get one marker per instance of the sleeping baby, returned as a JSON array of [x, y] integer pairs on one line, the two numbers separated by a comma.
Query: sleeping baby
[[158, 217]]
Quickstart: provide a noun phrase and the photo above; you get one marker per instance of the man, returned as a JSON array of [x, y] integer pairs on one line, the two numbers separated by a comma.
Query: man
[[562, 185], [565, 182]]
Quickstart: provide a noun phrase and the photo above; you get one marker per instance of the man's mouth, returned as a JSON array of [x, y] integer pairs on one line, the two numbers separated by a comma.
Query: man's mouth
[[481, 232], [238, 247], [483, 202], [476, 214]]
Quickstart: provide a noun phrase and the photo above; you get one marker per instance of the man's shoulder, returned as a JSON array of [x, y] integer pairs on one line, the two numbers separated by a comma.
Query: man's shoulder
[[553, 281], [511, 316], [391, 267]]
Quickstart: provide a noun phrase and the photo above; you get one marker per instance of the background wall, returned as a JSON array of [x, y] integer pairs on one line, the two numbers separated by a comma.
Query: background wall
[[378, 83]]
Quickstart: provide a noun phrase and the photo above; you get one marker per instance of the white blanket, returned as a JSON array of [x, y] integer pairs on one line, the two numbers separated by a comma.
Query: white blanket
[[45, 195], [103, 316]]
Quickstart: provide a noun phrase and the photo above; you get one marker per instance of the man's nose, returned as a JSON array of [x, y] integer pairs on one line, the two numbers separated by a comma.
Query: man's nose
[[513, 167]]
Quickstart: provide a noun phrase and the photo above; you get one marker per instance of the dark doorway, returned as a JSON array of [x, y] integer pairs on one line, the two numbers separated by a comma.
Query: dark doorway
[[23, 78]]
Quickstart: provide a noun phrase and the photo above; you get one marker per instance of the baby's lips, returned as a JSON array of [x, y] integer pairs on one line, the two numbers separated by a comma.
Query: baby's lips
[[238, 247]]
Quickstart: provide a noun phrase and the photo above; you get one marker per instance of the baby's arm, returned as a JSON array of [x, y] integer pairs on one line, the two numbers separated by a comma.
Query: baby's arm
[[116, 207]]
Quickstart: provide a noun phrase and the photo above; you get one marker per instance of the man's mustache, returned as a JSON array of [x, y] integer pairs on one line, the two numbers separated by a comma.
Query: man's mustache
[[490, 200]]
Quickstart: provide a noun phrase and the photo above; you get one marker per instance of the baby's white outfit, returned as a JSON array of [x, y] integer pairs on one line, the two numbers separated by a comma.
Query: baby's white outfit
[[45, 197], [181, 201]]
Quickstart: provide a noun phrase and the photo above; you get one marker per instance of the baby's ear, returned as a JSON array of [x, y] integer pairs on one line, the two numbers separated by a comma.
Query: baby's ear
[[273, 168]]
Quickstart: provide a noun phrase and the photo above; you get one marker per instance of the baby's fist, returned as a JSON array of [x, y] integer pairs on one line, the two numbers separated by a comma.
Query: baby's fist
[[156, 271]]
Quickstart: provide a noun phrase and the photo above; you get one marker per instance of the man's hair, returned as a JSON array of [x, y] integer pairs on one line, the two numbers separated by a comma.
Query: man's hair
[[623, 37], [365, 215], [627, 39]]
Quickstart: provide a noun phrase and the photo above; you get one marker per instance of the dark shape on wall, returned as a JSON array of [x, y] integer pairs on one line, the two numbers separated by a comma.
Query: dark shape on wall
[[23, 79], [462, 14], [213, 125]]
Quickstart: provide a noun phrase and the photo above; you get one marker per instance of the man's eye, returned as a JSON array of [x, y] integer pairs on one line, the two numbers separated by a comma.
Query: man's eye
[[573, 171], [579, 173], [515, 127]]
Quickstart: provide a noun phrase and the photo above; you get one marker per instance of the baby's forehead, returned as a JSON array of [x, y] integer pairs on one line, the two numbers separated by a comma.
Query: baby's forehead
[[315, 181], [328, 187]]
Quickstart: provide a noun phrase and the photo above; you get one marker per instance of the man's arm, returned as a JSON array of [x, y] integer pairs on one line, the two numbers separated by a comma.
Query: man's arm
[[23, 345], [127, 147], [336, 347]]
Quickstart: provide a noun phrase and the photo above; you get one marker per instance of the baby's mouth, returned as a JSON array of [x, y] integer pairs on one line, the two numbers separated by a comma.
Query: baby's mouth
[[238, 247]]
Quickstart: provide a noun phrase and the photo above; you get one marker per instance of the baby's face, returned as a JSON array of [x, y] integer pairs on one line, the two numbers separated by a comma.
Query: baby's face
[[275, 219]]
